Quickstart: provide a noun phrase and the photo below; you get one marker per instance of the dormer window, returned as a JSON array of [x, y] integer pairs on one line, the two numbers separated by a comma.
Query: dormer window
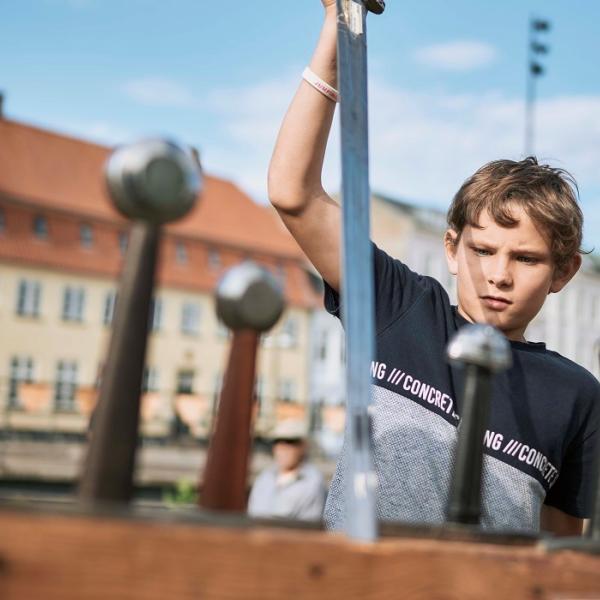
[[123, 242], [86, 235], [40, 227], [214, 259], [181, 253]]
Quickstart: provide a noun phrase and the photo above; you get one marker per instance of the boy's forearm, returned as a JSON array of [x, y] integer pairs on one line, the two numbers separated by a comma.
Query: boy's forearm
[[297, 162]]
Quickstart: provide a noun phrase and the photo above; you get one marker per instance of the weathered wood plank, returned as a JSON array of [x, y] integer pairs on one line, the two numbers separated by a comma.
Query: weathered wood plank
[[56, 556]]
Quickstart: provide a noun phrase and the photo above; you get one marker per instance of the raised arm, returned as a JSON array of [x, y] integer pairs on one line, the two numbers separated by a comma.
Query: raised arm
[[295, 187]]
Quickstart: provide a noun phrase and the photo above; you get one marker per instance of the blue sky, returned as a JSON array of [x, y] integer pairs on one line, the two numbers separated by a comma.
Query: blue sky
[[447, 83]]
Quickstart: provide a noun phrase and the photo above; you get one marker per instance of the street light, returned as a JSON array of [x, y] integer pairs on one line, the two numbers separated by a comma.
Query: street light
[[534, 70]]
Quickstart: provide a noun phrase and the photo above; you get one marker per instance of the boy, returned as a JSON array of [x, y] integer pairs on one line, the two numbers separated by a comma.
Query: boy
[[514, 236]]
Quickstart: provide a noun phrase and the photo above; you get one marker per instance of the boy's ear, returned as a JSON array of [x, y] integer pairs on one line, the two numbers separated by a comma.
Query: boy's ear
[[451, 247], [565, 274]]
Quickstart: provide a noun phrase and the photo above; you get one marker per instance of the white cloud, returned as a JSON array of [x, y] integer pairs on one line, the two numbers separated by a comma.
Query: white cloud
[[159, 92], [461, 55], [422, 146]]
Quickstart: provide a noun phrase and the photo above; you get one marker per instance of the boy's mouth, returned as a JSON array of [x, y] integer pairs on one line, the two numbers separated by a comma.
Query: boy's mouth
[[496, 302]]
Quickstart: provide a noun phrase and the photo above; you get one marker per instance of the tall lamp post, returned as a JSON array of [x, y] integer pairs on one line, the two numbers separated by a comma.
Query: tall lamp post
[[534, 70]]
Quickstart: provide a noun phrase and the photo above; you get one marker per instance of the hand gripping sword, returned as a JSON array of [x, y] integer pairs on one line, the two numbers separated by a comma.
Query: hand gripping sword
[[357, 287]]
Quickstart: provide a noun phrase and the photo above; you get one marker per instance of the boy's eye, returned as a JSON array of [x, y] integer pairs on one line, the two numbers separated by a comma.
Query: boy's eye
[[530, 260], [481, 251]]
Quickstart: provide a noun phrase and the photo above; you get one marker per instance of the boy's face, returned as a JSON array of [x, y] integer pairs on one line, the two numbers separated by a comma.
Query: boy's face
[[504, 274]]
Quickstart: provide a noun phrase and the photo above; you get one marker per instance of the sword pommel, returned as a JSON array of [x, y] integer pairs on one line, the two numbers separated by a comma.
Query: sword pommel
[[375, 6], [481, 345]]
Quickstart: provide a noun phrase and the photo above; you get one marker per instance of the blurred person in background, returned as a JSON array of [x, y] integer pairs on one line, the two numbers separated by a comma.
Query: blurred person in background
[[291, 487]]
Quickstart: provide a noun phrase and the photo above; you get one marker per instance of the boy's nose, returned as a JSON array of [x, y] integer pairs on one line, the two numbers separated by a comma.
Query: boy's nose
[[500, 275]]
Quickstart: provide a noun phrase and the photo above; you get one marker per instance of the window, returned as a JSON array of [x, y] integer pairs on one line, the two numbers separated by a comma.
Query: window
[[40, 227], [322, 346], [123, 242], [110, 302], [86, 235], [289, 333], [181, 253], [287, 390], [155, 314], [21, 371], [190, 318], [185, 382], [28, 298], [214, 259], [73, 301], [150, 380], [65, 385]]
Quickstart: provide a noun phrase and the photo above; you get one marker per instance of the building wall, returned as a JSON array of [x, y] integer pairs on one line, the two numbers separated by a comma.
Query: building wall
[[48, 339]]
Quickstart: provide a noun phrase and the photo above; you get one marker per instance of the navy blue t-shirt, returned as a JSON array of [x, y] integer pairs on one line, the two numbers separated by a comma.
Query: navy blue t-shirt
[[544, 416]]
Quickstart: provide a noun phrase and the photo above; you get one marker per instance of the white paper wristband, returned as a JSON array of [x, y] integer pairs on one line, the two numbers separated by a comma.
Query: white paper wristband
[[322, 86]]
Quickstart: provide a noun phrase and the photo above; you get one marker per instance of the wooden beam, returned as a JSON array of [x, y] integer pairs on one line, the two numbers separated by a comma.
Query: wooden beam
[[78, 557]]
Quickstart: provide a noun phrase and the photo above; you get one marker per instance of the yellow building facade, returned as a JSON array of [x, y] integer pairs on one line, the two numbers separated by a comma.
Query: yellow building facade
[[62, 247]]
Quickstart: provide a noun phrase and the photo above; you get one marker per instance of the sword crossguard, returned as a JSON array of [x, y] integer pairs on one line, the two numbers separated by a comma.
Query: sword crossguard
[[375, 6]]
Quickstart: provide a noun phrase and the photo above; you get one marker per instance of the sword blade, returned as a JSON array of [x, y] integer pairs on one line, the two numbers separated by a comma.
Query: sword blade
[[357, 287]]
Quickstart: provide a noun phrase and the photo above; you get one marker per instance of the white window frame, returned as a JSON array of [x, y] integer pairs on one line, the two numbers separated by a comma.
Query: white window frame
[[65, 386], [287, 390], [21, 370], [73, 303], [150, 379], [190, 318], [185, 381], [156, 314], [28, 298], [288, 338], [110, 303]]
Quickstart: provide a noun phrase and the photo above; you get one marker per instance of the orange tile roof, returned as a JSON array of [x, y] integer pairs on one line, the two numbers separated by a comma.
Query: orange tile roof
[[60, 172], [62, 177]]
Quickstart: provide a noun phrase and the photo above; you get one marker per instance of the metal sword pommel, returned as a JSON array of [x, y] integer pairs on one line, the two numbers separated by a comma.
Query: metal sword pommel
[[249, 297], [375, 6], [480, 345], [153, 180]]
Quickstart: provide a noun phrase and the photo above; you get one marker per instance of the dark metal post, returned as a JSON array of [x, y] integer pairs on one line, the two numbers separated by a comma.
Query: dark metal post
[[152, 182], [249, 301], [225, 474], [108, 473], [482, 350]]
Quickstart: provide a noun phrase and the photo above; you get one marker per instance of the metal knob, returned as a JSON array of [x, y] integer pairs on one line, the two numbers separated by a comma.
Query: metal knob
[[375, 6], [153, 180], [249, 297], [480, 345]]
